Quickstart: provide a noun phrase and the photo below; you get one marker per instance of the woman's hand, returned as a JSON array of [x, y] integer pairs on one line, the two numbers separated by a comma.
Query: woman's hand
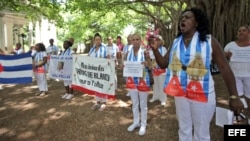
[[228, 54], [145, 63], [236, 105], [148, 64]]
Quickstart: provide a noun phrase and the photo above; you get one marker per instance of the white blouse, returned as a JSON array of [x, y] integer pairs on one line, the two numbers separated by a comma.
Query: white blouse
[[240, 69]]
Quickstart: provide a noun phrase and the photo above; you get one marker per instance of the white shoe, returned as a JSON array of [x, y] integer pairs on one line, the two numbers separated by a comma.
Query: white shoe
[[64, 96], [128, 94], [152, 100], [1, 88], [42, 94], [163, 103], [132, 127], [69, 96], [102, 107], [142, 130], [37, 94]]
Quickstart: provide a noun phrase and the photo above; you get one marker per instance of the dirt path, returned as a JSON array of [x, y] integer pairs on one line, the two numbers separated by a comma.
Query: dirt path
[[25, 117]]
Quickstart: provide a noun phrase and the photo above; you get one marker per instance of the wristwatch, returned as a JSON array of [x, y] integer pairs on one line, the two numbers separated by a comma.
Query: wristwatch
[[233, 97]]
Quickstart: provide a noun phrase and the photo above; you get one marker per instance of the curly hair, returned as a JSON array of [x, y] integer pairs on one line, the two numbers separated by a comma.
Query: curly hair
[[202, 20], [41, 46], [68, 42]]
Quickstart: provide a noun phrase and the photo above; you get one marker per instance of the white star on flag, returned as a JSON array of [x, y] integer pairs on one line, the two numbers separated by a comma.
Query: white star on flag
[[174, 82], [193, 87]]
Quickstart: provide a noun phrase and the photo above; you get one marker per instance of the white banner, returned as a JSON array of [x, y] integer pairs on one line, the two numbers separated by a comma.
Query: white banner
[[241, 55], [60, 67], [133, 69], [94, 75]]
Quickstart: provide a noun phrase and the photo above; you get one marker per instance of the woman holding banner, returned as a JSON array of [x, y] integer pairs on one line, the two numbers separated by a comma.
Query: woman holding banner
[[99, 50], [113, 50], [18, 49], [138, 87], [67, 83]]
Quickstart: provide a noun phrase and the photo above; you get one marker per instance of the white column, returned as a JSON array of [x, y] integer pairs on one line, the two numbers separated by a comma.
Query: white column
[[9, 34], [52, 33], [30, 39], [44, 32], [1, 32], [37, 33], [5, 35]]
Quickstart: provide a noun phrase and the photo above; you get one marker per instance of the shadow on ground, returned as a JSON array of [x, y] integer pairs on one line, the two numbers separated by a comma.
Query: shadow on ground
[[25, 117]]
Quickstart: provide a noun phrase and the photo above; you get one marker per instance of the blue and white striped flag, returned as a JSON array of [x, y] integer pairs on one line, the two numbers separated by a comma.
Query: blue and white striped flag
[[16, 69]]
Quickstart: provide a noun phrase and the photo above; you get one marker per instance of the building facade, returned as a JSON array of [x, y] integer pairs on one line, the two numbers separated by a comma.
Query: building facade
[[15, 28]]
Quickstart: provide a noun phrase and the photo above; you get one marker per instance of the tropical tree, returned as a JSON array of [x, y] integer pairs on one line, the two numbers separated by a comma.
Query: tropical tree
[[110, 17], [226, 16], [35, 9]]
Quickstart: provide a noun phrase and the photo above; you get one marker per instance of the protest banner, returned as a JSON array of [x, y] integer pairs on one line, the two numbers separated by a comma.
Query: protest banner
[[60, 67], [134, 69], [95, 76]]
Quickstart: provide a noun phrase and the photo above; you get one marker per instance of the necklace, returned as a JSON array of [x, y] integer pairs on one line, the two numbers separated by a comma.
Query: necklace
[[187, 41]]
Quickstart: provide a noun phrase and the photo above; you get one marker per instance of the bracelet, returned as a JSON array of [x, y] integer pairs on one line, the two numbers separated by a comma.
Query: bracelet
[[233, 97]]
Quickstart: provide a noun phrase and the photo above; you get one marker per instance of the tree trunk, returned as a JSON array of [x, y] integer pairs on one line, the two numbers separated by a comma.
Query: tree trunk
[[225, 16]]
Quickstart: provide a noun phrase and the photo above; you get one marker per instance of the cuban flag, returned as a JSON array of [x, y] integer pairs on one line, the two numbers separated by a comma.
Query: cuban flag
[[16, 69]]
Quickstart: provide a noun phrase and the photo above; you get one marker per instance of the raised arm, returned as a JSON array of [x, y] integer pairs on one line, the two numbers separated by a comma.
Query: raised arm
[[162, 61]]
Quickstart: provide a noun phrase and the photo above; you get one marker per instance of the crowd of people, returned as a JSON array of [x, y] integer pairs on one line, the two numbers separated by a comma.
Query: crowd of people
[[181, 71]]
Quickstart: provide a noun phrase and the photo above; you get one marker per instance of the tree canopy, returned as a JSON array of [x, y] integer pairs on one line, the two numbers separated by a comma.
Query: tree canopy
[[35, 9], [82, 18]]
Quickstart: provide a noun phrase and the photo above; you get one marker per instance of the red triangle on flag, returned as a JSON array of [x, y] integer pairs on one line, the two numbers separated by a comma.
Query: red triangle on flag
[[1, 68], [130, 83], [142, 86], [157, 72], [174, 88], [195, 92]]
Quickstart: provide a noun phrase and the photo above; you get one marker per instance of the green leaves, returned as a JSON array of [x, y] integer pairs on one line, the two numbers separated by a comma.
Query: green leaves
[[82, 18], [34, 9], [111, 16]]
